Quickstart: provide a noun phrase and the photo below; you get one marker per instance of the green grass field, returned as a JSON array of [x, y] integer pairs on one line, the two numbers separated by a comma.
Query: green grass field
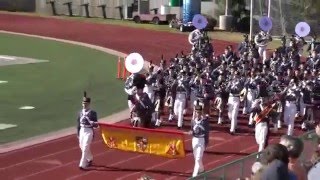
[[54, 88]]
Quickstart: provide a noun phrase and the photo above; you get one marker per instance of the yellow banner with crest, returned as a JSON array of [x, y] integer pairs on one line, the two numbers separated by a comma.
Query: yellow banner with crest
[[163, 143]]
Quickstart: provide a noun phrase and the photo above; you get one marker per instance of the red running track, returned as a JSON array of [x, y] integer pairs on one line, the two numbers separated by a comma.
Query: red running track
[[58, 159]]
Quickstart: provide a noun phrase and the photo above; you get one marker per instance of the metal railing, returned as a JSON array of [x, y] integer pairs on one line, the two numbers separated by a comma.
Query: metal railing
[[242, 167]]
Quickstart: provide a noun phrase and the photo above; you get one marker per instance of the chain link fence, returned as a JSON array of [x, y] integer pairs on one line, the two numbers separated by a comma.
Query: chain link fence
[[242, 168]]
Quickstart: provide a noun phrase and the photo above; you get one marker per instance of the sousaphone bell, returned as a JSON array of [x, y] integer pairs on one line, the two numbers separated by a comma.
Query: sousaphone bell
[[134, 63]]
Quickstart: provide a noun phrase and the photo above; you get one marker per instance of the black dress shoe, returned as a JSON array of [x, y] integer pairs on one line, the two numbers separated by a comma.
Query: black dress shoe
[[89, 163], [232, 133], [82, 168], [251, 125], [179, 128]]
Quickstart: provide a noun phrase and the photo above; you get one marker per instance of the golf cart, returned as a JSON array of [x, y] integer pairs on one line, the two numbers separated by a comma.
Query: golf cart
[[141, 12]]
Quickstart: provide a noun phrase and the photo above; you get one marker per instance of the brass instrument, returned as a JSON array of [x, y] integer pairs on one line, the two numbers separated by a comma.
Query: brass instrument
[[262, 39], [243, 94]]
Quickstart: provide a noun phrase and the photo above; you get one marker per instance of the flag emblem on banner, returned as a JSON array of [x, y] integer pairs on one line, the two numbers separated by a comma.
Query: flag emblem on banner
[[111, 142], [172, 149], [142, 143]]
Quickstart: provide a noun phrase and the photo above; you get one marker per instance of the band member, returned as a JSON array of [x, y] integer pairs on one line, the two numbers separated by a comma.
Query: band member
[[180, 102], [195, 88], [160, 93], [205, 94], [87, 120], [244, 45], [221, 99], [251, 94], [261, 40], [194, 39], [290, 108], [132, 82], [142, 110], [228, 54], [150, 82], [235, 86], [262, 123], [275, 114], [306, 105], [200, 132], [297, 43], [171, 85]]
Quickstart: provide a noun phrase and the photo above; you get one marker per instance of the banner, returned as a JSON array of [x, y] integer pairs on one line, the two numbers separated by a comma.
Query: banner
[[149, 141]]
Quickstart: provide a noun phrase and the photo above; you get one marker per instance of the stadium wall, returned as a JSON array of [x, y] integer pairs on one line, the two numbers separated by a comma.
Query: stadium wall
[[18, 5]]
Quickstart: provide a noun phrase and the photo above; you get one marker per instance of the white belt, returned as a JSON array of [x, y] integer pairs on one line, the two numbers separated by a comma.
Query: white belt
[[199, 137], [86, 126], [234, 95], [291, 102]]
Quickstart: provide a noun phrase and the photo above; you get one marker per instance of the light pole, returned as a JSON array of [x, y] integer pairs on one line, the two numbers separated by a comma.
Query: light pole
[[251, 19], [269, 7]]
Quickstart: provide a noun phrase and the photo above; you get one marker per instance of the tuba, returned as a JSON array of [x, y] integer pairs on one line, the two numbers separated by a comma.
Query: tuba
[[262, 39], [134, 63], [194, 37]]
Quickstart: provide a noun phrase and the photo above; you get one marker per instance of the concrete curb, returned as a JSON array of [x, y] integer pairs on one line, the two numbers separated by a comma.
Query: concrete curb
[[114, 118]]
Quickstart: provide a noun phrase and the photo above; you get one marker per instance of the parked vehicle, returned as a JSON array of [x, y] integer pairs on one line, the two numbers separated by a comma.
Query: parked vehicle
[[178, 24], [154, 18]]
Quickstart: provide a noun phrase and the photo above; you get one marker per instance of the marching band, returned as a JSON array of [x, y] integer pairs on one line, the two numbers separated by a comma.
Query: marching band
[[270, 91], [223, 82]]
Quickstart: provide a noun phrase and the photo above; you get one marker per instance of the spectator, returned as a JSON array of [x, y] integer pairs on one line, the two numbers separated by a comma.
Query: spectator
[[257, 170], [295, 147], [314, 172], [276, 157], [318, 130]]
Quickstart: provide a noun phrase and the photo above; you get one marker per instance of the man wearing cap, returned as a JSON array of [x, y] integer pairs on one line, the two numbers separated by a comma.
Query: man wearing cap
[[251, 86], [262, 123], [87, 120], [200, 132], [234, 87], [262, 39], [132, 82], [150, 83], [142, 109], [290, 108], [182, 94], [306, 104]]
